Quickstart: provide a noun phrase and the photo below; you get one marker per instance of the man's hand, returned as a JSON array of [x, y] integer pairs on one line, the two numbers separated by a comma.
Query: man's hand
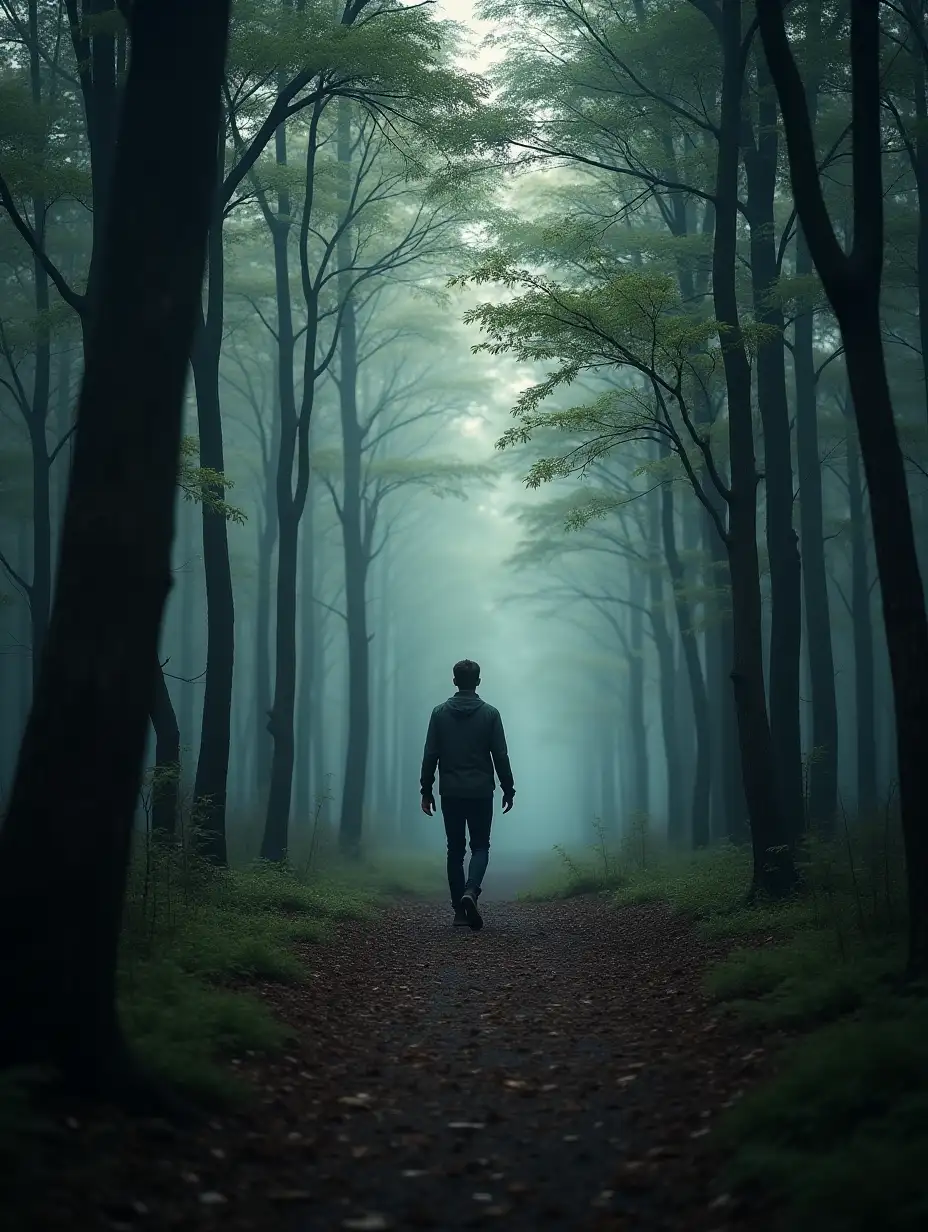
[[428, 805], [507, 803]]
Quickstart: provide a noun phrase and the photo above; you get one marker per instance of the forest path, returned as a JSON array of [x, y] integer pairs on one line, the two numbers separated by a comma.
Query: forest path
[[560, 1069]]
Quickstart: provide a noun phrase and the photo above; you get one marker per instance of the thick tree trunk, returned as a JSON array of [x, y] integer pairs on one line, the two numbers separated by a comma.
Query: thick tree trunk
[[165, 791], [64, 847], [774, 872]]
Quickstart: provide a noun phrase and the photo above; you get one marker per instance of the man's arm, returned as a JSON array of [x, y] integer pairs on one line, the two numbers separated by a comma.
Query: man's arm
[[429, 760], [500, 756]]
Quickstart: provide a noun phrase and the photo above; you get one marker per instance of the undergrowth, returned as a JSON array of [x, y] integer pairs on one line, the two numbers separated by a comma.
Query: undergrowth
[[193, 938], [838, 1140]]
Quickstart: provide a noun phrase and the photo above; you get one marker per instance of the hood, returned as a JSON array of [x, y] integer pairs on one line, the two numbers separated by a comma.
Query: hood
[[463, 705]]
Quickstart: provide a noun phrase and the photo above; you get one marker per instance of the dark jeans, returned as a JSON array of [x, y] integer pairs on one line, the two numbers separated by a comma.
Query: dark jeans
[[460, 816]]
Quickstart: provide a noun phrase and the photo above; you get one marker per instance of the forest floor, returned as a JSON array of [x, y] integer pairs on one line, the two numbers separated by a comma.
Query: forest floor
[[562, 1068]]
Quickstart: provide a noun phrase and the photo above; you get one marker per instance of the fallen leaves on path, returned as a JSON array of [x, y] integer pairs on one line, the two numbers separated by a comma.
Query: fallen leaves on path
[[559, 1069]]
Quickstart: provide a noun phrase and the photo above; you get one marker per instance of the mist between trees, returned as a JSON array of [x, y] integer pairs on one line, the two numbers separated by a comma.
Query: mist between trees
[[654, 237]]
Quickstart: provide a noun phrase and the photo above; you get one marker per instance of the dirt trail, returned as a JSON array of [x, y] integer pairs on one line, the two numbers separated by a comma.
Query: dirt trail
[[559, 1069]]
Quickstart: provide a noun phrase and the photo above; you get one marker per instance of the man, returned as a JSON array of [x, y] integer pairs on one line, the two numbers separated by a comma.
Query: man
[[465, 741]]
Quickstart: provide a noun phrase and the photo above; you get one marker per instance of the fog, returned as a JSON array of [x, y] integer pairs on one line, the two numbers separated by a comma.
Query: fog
[[588, 564]]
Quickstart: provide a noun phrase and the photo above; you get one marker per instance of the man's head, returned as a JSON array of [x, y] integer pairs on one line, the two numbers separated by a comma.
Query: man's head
[[466, 674]]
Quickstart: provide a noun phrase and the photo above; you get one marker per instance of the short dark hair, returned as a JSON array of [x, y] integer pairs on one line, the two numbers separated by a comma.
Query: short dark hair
[[467, 674]]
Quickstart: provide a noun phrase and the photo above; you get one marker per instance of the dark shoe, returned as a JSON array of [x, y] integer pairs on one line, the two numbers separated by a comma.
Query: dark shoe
[[460, 919], [469, 907]]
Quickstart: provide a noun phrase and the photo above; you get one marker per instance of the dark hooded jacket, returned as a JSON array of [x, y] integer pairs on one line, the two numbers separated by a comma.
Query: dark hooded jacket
[[465, 741]]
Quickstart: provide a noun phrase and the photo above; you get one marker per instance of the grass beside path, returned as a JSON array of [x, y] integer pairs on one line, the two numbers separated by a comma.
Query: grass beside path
[[193, 938], [838, 1140]]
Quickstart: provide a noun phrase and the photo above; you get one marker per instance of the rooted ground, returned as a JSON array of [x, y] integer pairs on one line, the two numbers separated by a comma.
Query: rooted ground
[[560, 1069]]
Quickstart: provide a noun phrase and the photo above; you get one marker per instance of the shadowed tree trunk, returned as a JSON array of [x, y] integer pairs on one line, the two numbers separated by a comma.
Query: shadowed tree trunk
[[852, 283], [862, 626], [823, 771], [760, 160], [293, 458], [307, 660], [774, 871], [211, 782], [663, 642], [64, 846]]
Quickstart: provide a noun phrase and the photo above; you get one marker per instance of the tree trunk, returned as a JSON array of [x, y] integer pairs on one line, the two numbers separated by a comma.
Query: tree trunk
[[41, 587], [63, 420], [188, 613], [641, 773], [702, 780], [267, 538], [774, 872], [165, 789], [823, 769], [293, 453], [782, 548], [853, 283], [356, 539], [862, 627], [277, 823], [64, 847], [663, 642], [307, 660], [211, 783]]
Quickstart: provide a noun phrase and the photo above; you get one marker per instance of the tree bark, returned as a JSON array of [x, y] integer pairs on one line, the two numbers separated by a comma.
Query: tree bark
[[64, 847], [760, 160], [293, 453], [823, 770], [211, 782], [663, 643], [862, 629], [774, 872], [307, 660]]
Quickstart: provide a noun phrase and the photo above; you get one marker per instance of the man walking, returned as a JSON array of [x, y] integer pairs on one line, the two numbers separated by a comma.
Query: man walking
[[465, 741]]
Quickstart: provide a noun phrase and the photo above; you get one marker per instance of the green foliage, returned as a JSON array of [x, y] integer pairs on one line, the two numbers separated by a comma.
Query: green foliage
[[192, 932], [840, 1139], [205, 486]]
